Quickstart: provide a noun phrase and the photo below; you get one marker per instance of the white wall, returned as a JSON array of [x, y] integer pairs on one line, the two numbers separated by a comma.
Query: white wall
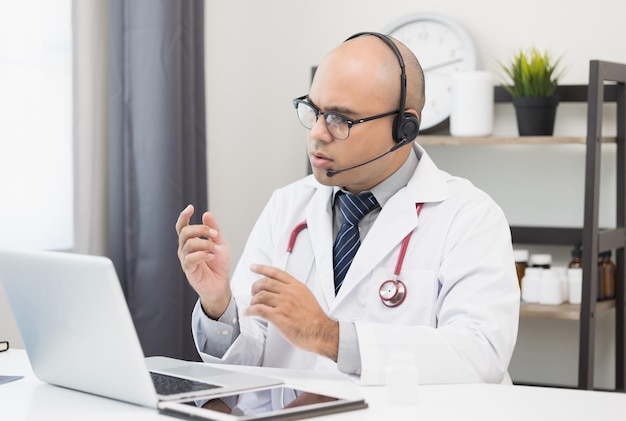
[[259, 56]]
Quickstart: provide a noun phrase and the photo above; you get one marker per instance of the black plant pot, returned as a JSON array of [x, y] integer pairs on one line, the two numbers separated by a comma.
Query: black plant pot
[[535, 115]]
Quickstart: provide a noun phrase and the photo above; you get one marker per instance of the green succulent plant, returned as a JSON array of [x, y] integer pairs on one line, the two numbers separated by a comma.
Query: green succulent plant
[[533, 74]]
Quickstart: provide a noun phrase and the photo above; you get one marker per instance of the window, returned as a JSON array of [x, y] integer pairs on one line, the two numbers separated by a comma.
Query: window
[[36, 193]]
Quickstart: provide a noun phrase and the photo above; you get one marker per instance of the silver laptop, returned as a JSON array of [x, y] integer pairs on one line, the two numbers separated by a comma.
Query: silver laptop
[[78, 333]]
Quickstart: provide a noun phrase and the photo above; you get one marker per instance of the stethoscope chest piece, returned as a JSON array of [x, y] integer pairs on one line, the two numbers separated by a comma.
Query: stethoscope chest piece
[[392, 292]]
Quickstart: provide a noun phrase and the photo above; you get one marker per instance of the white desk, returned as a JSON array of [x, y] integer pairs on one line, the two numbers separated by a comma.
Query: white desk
[[30, 399]]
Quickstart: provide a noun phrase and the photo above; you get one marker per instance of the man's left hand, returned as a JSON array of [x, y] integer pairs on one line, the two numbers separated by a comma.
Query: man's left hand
[[289, 305]]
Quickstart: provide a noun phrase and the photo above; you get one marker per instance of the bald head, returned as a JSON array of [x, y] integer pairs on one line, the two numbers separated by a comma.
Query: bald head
[[374, 65]]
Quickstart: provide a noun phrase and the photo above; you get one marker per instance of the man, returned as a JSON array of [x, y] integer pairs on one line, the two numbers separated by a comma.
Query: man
[[454, 305]]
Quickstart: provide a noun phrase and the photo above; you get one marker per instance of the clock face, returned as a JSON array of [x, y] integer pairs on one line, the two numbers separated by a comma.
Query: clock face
[[442, 48]]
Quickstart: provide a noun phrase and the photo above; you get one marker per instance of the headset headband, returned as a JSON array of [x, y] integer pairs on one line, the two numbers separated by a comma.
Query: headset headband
[[405, 127]]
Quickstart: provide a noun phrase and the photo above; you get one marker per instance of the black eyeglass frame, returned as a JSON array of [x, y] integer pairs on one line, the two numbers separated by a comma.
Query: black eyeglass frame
[[349, 121]]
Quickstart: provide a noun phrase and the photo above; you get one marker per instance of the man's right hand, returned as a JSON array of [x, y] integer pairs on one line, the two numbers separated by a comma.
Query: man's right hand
[[205, 258]]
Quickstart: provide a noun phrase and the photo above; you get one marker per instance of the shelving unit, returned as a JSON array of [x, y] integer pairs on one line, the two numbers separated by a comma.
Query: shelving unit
[[427, 140], [562, 312], [607, 83]]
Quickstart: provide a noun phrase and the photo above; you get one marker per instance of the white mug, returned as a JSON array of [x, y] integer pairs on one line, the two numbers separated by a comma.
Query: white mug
[[471, 113]]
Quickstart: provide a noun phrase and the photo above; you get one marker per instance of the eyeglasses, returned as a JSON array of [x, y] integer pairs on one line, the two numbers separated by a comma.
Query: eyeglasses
[[338, 125]]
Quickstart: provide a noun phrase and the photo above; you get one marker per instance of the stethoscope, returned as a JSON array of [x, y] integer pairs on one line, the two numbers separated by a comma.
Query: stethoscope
[[392, 292]]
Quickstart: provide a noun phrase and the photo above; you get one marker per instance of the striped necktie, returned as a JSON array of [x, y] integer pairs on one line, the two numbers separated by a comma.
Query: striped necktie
[[353, 208]]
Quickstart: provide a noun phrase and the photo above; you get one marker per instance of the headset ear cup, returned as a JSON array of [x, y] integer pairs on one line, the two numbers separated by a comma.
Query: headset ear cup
[[395, 129], [406, 127]]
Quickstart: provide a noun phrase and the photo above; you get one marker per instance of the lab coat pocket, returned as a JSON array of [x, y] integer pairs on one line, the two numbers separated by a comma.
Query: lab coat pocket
[[417, 308]]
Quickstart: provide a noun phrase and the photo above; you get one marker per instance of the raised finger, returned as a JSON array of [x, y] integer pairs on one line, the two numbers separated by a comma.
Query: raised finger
[[183, 218], [215, 233], [270, 272]]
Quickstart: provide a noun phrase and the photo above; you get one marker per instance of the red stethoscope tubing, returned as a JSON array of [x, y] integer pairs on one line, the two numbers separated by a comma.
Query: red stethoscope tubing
[[393, 292], [405, 245], [294, 235], [397, 297]]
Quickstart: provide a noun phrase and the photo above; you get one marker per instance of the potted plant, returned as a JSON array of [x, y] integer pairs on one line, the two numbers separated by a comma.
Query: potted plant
[[534, 76]]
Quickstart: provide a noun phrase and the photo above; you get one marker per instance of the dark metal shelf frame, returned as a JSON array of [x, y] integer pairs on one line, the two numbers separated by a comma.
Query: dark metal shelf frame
[[607, 83]]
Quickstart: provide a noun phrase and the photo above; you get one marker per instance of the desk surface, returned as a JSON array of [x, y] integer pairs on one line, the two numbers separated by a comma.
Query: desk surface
[[30, 399]]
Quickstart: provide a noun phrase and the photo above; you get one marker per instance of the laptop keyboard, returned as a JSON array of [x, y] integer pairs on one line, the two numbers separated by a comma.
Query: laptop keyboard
[[170, 385]]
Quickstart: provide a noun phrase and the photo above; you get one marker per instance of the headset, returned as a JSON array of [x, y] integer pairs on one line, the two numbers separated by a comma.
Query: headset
[[405, 126]]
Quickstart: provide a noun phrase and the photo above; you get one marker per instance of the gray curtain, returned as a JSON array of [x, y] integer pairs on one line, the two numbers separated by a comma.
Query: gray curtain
[[157, 160]]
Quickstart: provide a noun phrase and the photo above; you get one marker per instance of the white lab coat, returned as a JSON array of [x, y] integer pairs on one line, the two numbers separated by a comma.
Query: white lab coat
[[460, 317]]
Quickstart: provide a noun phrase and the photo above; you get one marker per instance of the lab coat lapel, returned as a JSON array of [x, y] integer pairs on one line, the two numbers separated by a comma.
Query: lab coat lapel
[[397, 219], [319, 216]]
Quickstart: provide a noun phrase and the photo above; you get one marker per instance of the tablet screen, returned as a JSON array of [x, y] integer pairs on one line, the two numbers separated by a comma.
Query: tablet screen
[[282, 401]]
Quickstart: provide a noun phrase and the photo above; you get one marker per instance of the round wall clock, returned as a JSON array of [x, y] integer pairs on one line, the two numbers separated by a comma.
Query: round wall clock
[[442, 47]]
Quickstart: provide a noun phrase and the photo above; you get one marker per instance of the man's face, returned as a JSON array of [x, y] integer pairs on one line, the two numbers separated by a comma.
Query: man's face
[[351, 87]]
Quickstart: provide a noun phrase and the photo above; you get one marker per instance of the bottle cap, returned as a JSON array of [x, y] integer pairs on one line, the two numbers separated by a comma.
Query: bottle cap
[[520, 255], [541, 259]]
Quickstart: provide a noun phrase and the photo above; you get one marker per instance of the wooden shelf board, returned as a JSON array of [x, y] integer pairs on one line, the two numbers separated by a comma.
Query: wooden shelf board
[[563, 311], [433, 140]]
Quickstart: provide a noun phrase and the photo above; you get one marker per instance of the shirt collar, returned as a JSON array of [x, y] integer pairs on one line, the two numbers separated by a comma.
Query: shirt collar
[[392, 184]]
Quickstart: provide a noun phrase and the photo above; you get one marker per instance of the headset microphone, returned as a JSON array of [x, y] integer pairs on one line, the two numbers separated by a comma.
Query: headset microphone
[[330, 173]]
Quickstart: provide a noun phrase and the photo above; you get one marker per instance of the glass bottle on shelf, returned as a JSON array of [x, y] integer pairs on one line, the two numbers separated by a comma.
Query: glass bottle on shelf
[[606, 276], [521, 263], [577, 257]]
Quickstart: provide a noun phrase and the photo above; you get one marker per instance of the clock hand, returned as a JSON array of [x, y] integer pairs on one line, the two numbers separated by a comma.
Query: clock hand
[[436, 66]]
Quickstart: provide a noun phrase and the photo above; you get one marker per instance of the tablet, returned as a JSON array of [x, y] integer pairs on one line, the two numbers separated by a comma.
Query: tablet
[[284, 402]]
